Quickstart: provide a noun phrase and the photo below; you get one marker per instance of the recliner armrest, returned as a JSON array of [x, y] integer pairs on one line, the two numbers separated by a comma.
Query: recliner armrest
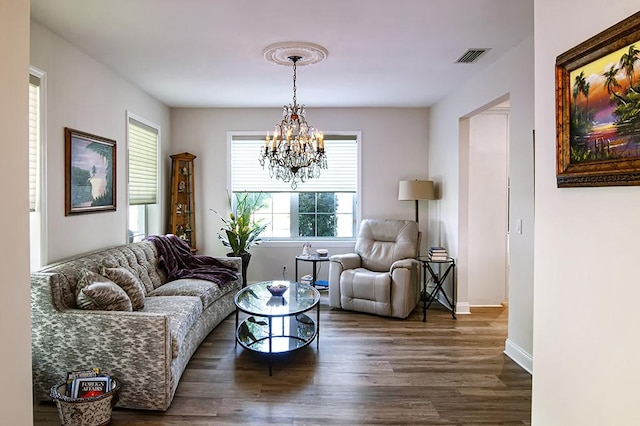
[[404, 263], [338, 263], [347, 261], [405, 293]]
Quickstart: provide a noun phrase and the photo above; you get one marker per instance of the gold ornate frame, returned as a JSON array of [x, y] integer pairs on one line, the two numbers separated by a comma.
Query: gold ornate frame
[[590, 161]]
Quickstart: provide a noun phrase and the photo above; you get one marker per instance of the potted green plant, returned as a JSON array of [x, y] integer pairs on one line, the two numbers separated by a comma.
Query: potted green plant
[[241, 231]]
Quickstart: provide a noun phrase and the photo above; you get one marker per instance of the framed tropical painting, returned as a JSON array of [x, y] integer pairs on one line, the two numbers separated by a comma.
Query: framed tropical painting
[[598, 109], [90, 173]]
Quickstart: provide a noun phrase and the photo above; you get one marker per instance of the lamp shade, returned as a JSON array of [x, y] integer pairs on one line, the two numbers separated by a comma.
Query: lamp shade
[[416, 190]]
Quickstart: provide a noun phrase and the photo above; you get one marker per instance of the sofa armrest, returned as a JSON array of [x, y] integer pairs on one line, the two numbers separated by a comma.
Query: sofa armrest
[[236, 262], [134, 347], [231, 261]]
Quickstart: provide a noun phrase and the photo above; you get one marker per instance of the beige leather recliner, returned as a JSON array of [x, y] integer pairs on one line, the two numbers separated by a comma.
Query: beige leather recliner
[[382, 276]]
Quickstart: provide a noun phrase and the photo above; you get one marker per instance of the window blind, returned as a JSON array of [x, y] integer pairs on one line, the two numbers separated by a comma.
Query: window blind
[[34, 139], [340, 176], [143, 163]]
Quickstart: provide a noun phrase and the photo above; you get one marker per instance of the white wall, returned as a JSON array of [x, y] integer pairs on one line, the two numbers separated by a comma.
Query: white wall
[[85, 95], [511, 75], [394, 148], [487, 202], [15, 323], [587, 328]]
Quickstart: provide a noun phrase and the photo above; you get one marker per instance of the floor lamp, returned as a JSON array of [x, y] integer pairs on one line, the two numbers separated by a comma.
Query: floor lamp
[[415, 190]]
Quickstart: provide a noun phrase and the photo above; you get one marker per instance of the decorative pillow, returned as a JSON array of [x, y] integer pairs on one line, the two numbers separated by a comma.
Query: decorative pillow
[[104, 296], [129, 283], [134, 268], [88, 277]]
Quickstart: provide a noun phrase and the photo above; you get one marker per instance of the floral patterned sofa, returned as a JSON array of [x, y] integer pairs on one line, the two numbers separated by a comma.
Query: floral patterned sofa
[[146, 346]]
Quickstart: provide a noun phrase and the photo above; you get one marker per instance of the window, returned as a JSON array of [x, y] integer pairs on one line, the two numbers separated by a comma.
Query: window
[[325, 214], [319, 208], [143, 140], [36, 169]]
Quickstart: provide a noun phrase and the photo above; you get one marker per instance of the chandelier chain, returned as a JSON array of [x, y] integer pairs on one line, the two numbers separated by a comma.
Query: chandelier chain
[[294, 59]]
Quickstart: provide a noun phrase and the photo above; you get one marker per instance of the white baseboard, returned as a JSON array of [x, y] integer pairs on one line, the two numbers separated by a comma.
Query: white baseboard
[[519, 356], [463, 308]]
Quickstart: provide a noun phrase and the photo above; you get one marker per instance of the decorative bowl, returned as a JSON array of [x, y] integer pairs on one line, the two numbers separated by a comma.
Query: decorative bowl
[[277, 289]]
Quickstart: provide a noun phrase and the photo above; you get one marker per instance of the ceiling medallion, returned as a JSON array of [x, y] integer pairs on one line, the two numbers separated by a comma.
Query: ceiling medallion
[[309, 53]]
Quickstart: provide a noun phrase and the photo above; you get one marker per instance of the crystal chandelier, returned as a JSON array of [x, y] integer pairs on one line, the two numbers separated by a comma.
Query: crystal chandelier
[[295, 152]]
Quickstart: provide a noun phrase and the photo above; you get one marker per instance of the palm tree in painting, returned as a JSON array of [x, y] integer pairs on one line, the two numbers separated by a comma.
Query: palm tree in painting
[[575, 93], [105, 197], [627, 63], [611, 83], [580, 123], [579, 86], [585, 90]]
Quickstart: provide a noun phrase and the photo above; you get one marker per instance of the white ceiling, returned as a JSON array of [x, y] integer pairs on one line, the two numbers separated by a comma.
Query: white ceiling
[[209, 53]]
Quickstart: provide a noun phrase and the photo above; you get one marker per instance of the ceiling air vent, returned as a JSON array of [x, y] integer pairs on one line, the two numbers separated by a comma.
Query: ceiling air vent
[[471, 55]]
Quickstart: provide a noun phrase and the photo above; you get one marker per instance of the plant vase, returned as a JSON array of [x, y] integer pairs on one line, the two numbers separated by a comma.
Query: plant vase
[[246, 257]]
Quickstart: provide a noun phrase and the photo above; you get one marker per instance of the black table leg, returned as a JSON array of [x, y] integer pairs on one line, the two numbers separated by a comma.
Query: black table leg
[[235, 332], [453, 292], [424, 292], [318, 327], [270, 343]]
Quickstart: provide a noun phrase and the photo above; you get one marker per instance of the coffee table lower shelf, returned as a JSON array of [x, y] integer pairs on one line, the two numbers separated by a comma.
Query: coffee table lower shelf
[[272, 335]]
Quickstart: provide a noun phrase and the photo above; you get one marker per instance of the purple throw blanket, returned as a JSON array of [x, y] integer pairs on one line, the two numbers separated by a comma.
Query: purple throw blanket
[[179, 262]]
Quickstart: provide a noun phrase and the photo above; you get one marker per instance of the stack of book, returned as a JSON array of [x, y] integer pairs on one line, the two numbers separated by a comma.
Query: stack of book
[[308, 279], [437, 254]]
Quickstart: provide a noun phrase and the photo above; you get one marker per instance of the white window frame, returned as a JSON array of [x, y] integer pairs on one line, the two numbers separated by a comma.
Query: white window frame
[[295, 241], [152, 211], [38, 237]]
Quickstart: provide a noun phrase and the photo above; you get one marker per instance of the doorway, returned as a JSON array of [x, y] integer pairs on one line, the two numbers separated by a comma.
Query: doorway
[[484, 197]]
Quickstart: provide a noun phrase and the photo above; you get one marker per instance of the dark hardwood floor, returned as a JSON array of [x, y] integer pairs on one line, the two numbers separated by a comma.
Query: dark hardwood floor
[[367, 370]]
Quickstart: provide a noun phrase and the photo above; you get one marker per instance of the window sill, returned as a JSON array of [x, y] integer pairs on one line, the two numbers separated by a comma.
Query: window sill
[[298, 243]]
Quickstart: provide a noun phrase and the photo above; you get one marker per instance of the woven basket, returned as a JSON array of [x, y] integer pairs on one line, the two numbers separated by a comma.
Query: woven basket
[[94, 411]]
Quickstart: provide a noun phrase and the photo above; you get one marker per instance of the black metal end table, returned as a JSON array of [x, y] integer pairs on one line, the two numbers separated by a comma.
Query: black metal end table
[[438, 280], [314, 259]]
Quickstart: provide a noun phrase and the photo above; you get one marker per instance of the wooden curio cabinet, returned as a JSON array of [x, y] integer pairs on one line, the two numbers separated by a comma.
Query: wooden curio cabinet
[[182, 218]]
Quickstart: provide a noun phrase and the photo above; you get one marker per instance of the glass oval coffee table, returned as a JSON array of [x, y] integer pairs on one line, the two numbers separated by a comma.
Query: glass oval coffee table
[[277, 324]]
